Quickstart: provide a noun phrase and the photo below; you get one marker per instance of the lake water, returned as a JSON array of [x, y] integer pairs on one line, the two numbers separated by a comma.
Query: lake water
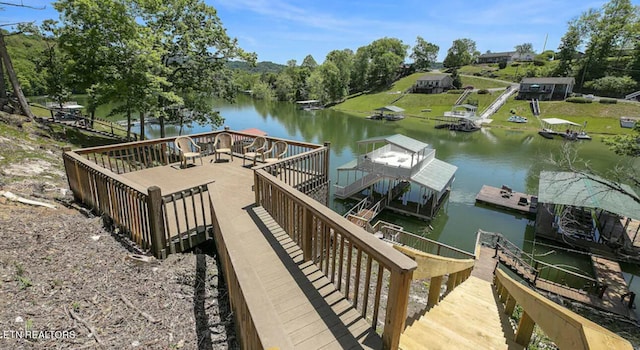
[[492, 156]]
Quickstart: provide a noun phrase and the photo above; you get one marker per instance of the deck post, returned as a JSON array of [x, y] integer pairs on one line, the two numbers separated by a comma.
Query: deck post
[[307, 235], [158, 239], [397, 303], [325, 170], [525, 329], [434, 291], [510, 306]]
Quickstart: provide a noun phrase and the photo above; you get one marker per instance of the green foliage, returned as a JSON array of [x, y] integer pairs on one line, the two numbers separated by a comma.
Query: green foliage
[[608, 101], [547, 55], [26, 51], [457, 83], [626, 145], [578, 100], [539, 63], [612, 85], [263, 91], [461, 53], [524, 48], [502, 65], [260, 67], [455, 92], [424, 54], [483, 92]]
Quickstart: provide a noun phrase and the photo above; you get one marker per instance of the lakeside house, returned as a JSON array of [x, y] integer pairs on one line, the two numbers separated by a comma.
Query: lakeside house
[[509, 56], [546, 89], [587, 211], [433, 84]]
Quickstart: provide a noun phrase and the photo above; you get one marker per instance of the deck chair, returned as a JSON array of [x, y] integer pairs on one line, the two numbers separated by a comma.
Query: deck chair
[[223, 144], [188, 149], [276, 152], [254, 150]]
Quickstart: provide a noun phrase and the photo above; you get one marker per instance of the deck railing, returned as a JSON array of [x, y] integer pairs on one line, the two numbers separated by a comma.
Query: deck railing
[[565, 328], [534, 270], [168, 223], [358, 264], [398, 235]]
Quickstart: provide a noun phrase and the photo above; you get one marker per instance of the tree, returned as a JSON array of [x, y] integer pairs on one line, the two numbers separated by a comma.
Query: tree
[[386, 55], [343, 59], [195, 48], [457, 83], [309, 62], [568, 50], [424, 54], [461, 53], [626, 145], [523, 49], [612, 85], [359, 73]]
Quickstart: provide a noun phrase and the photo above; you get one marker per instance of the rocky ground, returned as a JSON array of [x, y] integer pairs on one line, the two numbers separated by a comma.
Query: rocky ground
[[66, 282]]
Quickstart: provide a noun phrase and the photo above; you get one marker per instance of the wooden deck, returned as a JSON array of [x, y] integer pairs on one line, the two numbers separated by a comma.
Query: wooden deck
[[494, 196], [292, 296], [609, 273]]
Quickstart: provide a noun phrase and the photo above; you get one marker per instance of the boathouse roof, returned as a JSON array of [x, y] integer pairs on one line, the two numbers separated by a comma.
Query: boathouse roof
[[436, 175], [589, 191], [398, 140], [394, 109]]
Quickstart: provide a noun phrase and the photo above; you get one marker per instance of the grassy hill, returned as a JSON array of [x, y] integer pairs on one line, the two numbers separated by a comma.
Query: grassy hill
[[600, 118], [512, 72]]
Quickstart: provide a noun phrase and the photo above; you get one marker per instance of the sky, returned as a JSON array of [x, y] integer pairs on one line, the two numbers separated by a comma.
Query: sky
[[282, 30]]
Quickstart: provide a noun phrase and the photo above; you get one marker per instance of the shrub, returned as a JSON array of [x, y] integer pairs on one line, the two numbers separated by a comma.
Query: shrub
[[538, 62], [610, 101], [578, 100], [483, 92], [454, 91], [502, 65], [477, 74], [515, 64]]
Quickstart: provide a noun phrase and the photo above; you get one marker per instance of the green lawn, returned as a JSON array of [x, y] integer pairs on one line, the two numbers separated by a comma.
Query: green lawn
[[508, 73], [600, 118], [480, 83]]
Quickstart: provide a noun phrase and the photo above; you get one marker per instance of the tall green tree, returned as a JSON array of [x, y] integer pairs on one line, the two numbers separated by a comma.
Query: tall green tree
[[424, 54], [309, 62], [386, 55], [568, 50], [360, 69], [343, 60], [462, 52], [195, 47]]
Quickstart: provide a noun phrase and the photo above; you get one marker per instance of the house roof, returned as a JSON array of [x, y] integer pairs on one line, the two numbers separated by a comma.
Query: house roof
[[497, 54], [390, 109], [587, 191], [549, 80], [436, 175], [399, 140], [433, 77]]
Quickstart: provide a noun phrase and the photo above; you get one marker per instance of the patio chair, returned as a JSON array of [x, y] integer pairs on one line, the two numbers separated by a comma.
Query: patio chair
[[254, 150], [277, 152], [188, 149], [223, 144]]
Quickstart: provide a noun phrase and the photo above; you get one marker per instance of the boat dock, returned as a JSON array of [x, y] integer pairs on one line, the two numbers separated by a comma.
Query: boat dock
[[506, 198], [616, 295]]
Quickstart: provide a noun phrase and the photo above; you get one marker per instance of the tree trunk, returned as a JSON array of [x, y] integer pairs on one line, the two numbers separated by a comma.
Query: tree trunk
[[3, 86], [128, 123], [141, 125], [17, 90], [161, 126]]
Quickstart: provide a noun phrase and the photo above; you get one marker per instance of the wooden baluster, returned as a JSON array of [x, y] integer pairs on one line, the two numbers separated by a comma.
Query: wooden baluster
[[154, 203]]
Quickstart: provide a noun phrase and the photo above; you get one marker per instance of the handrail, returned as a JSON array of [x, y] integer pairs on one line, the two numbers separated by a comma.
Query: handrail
[[431, 265], [397, 234], [532, 265], [340, 249], [565, 328]]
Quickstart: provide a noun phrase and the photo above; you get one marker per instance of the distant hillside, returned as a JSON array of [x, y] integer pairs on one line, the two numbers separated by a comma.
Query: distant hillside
[[261, 67]]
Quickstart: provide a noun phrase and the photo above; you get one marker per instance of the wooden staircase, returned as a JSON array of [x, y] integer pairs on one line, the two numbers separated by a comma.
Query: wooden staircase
[[467, 318]]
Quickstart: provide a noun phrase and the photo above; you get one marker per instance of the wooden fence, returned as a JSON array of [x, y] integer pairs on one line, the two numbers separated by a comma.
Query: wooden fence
[[358, 264]]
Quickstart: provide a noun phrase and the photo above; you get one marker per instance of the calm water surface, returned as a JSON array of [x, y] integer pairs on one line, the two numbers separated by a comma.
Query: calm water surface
[[492, 156]]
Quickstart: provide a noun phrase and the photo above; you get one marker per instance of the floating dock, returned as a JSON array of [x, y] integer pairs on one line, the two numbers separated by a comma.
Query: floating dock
[[505, 198]]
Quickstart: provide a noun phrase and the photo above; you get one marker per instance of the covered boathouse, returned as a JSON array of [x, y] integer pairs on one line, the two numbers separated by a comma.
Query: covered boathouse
[[399, 173], [589, 212]]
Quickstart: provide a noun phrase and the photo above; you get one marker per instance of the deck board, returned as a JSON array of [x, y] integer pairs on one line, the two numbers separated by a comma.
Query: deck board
[[305, 302], [493, 196]]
